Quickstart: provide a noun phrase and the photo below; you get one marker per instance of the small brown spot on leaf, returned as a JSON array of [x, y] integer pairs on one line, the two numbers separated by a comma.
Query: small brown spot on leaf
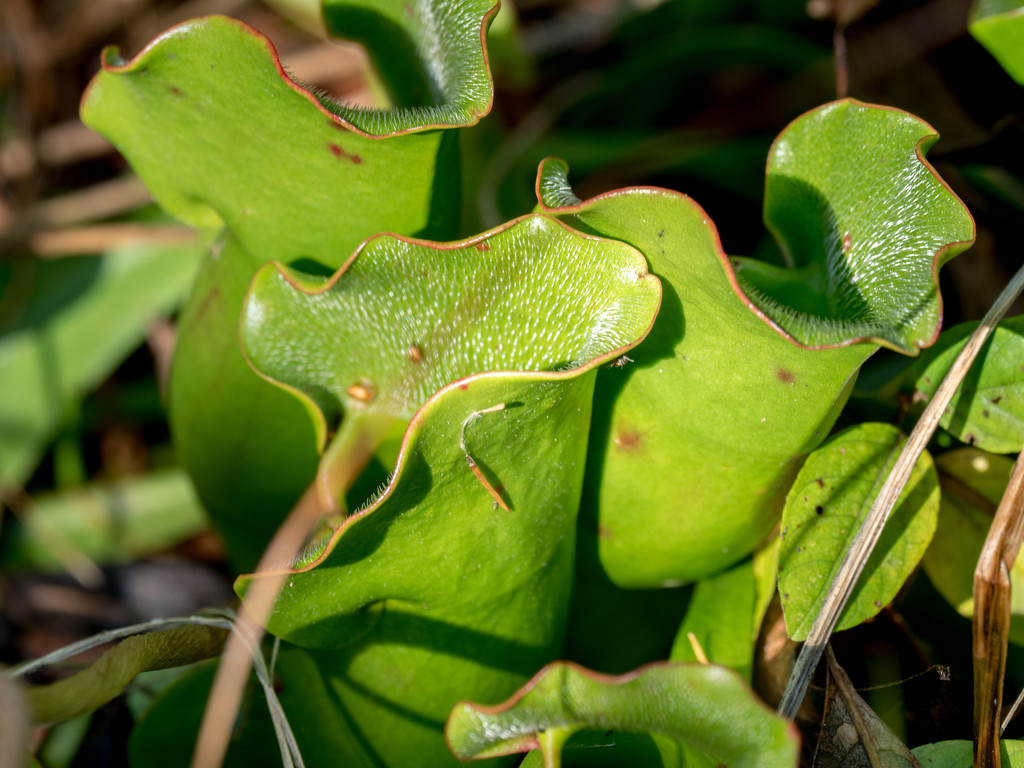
[[985, 413], [483, 247], [415, 354], [995, 400], [846, 243], [661, 233], [820, 482], [335, 149], [878, 603], [786, 377], [606, 533], [175, 90], [628, 439], [819, 510], [363, 391], [463, 386]]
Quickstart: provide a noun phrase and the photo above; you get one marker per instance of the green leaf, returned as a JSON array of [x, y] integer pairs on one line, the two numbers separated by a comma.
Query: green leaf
[[960, 754], [824, 510], [107, 677], [973, 482], [988, 407], [707, 707], [430, 55], [999, 26], [720, 399], [508, 328], [223, 138], [864, 221], [108, 523], [165, 736], [721, 617], [82, 318]]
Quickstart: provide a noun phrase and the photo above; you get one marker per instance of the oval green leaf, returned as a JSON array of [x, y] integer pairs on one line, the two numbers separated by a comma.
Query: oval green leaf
[[706, 707], [824, 510], [988, 407]]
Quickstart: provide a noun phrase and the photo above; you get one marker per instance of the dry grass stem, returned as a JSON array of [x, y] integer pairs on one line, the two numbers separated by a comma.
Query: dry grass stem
[[991, 627]]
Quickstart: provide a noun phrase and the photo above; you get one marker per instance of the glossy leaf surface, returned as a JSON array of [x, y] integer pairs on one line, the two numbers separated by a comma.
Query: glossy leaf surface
[[223, 138], [988, 407], [972, 482], [717, 377], [824, 510], [707, 707], [63, 338], [434, 592]]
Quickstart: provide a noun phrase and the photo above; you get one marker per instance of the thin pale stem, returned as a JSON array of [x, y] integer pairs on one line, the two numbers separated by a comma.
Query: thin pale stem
[[345, 458], [871, 529]]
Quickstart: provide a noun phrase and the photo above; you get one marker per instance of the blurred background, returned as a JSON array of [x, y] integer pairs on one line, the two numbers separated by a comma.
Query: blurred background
[[97, 519]]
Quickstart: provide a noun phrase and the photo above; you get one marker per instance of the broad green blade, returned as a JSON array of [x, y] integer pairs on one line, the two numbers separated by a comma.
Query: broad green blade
[[826, 507], [723, 370], [455, 581], [999, 26], [62, 338], [107, 677], [706, 707], [223, 138], [988, 407]]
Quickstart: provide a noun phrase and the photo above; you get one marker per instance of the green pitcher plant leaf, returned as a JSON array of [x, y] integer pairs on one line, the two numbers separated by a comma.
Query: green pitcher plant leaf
[[461, 569], [706, 707], [988, 408], [106, 678], [743, 373], [973, 482], [824, 510], [430, 55], [224, 138], [999, 26], [960, 754]]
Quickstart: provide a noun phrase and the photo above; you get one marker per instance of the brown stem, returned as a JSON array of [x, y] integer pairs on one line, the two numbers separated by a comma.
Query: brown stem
[[991, 626]]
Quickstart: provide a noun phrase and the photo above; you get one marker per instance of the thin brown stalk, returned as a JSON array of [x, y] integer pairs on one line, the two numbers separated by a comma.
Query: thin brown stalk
[[236, 661], [991, 625], [871, 529], [345, 458]]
